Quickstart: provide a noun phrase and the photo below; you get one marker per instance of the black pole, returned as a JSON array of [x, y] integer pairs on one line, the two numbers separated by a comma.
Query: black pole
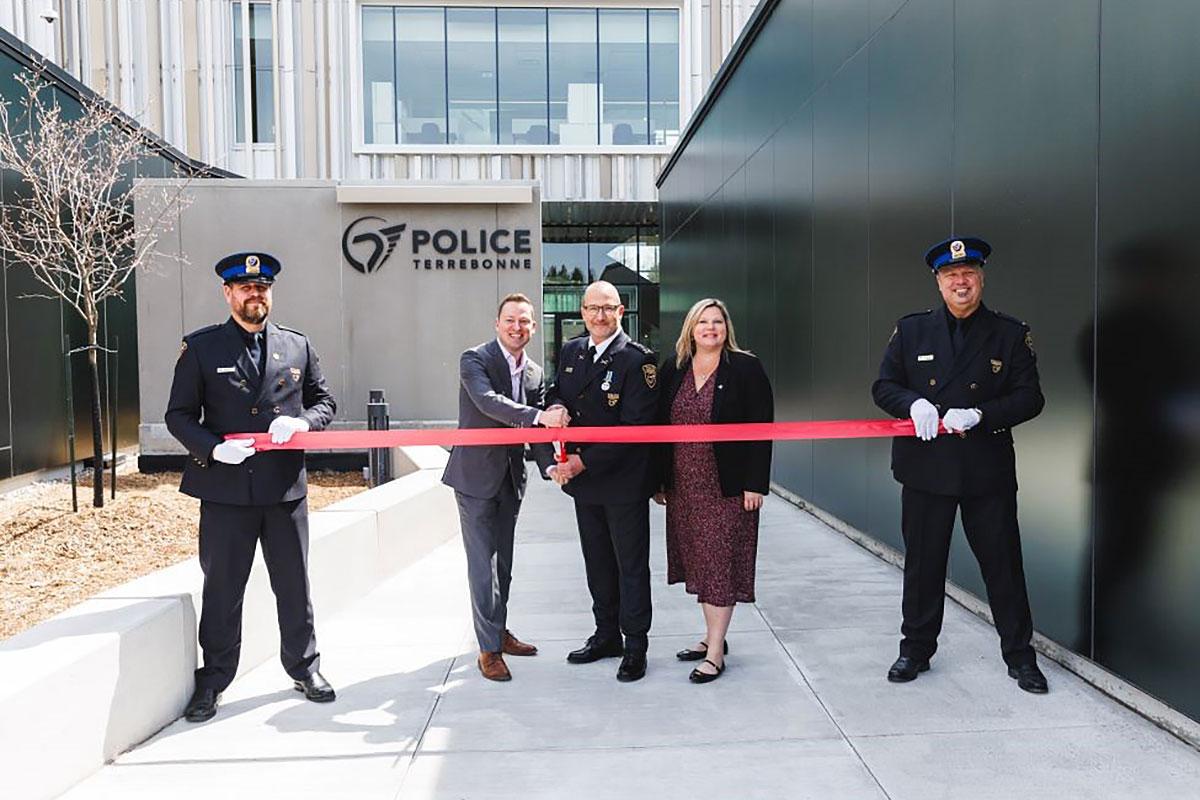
[[115, 405], [379, 460], [70, 422]]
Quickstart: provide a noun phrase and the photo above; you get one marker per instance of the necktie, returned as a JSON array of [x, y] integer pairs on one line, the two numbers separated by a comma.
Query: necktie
[[254, 349], [591, 353], [957, 338]]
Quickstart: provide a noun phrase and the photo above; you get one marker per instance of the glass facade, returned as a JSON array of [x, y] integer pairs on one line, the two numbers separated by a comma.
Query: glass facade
[[573, 256], [259, 53], [520, 76]]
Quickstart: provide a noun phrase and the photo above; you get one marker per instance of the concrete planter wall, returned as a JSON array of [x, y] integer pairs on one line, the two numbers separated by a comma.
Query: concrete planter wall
[[88, 684]]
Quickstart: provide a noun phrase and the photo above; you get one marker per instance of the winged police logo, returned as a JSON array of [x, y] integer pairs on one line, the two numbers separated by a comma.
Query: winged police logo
[[613, 399], [382, 241], [253, 265], [650, 373], [957, 249]]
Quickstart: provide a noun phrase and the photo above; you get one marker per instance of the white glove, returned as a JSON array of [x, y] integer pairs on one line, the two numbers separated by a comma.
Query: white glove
[[283, 428], [961, 420], [925, 418], [233, 451]]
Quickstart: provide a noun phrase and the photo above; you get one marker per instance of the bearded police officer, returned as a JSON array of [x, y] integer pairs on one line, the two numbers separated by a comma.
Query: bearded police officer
[[607, 379], [976, 369], [244, 376]]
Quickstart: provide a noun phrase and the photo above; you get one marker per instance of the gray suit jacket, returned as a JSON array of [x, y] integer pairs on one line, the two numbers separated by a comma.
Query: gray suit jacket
[[485, 401]]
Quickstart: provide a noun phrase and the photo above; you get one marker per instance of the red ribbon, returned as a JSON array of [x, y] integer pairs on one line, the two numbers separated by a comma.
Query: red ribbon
[[622, 434]]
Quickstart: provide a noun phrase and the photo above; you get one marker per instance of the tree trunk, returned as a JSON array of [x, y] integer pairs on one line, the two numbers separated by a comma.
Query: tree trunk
[[97, 438]]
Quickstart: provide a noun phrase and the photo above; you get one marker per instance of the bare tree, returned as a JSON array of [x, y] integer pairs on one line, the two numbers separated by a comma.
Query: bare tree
[[72, 222]]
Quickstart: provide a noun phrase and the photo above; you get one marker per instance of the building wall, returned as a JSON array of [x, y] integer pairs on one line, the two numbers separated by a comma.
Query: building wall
[[1065, 136], [33, 385], [167, 64], [400, 327]]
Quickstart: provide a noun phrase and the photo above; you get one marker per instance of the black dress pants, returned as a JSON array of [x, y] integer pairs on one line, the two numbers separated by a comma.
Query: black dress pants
[[616, 554], [990, 522], [228, 537]]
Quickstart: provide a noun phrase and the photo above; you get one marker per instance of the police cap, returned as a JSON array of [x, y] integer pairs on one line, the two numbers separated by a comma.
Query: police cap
[[249, 268], [958, 250]]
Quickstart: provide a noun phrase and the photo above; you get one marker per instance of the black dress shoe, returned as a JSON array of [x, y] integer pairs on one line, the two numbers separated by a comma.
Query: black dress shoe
[[202, 706], [907, 668], [688, 654], [1029, 678], [316, 688], [698, 676], [595, 649], [633, 667]]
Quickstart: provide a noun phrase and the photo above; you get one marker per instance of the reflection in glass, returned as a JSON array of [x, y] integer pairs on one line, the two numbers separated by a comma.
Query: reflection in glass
[[574, 91], [524, 112], [420, 75], [664, 77], [471, 74], [379, 76], [623, 85]]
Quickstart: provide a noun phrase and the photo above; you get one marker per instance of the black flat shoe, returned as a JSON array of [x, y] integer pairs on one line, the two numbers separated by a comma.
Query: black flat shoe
[[202, 706], [907, 668], [689, 654], [706, 677], [1029, 678], [316, 689], [633, 667], [595, 649]]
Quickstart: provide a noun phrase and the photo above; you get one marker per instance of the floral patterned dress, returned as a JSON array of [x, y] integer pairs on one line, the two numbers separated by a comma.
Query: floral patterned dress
[[712, 541]]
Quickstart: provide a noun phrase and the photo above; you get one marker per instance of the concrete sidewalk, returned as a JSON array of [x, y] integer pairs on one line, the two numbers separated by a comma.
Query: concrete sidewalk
[[804, 710]]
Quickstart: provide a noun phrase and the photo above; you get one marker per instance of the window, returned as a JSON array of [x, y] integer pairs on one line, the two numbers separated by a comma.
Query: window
[[258, 51], [624, 85], [523, 76], [523, 79], [471, 74]]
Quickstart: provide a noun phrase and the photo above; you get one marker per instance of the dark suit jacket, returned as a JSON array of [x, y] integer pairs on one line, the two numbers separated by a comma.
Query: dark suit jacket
[[485, 401], [996, 372], [742, 394], [217, 390], [615, 473]]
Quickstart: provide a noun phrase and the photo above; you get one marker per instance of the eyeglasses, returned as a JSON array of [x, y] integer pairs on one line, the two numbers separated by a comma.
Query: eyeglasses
[[594, 310]]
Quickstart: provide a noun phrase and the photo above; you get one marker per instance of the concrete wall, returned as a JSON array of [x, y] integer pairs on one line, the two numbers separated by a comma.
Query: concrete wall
[[399, 328], [88, 684]]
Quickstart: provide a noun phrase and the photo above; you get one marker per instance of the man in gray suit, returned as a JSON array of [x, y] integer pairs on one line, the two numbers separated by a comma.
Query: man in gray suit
[[500, 386]]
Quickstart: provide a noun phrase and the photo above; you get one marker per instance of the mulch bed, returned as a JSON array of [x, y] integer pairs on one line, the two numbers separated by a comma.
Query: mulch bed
[[52, 559]]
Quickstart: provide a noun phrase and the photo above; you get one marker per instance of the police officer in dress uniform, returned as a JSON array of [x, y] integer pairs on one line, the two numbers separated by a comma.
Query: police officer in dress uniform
[[976, 369], [607, 379], [249, 375]]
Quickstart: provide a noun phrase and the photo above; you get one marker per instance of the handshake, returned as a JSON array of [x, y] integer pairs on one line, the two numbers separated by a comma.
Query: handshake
[[557, 416]]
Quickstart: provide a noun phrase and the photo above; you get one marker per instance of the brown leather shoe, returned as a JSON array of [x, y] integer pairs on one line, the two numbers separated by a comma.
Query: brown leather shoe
[[493, 667], [515, 647]]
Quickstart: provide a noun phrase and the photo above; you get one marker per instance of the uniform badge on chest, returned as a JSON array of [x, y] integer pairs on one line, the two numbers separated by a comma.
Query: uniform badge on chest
[[613, 399], [606, 385], [997, 365], [295, 371]]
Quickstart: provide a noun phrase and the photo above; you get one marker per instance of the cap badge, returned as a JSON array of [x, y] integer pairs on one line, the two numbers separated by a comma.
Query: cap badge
[[252, 265], [957, 249]]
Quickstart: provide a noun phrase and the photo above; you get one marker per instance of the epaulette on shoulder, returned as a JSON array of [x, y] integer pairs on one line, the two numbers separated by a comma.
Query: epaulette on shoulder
[[202, 331], [917, 314], [639, 346], [289, 330], [1010, 318]]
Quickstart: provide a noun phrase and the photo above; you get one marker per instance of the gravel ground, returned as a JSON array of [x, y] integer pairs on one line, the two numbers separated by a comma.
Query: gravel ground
[[51, 558]]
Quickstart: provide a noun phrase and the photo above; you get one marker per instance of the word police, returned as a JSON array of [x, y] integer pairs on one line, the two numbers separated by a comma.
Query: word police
[[480, 249]]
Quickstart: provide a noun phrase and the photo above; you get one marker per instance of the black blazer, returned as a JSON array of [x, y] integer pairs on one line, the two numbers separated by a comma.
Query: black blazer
[[742, 394], [217, 390], [996, 372]]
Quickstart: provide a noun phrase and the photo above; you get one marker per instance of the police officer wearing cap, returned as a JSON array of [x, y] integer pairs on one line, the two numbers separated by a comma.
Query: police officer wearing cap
[[607, 379], [249, 375], [976, 369]]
